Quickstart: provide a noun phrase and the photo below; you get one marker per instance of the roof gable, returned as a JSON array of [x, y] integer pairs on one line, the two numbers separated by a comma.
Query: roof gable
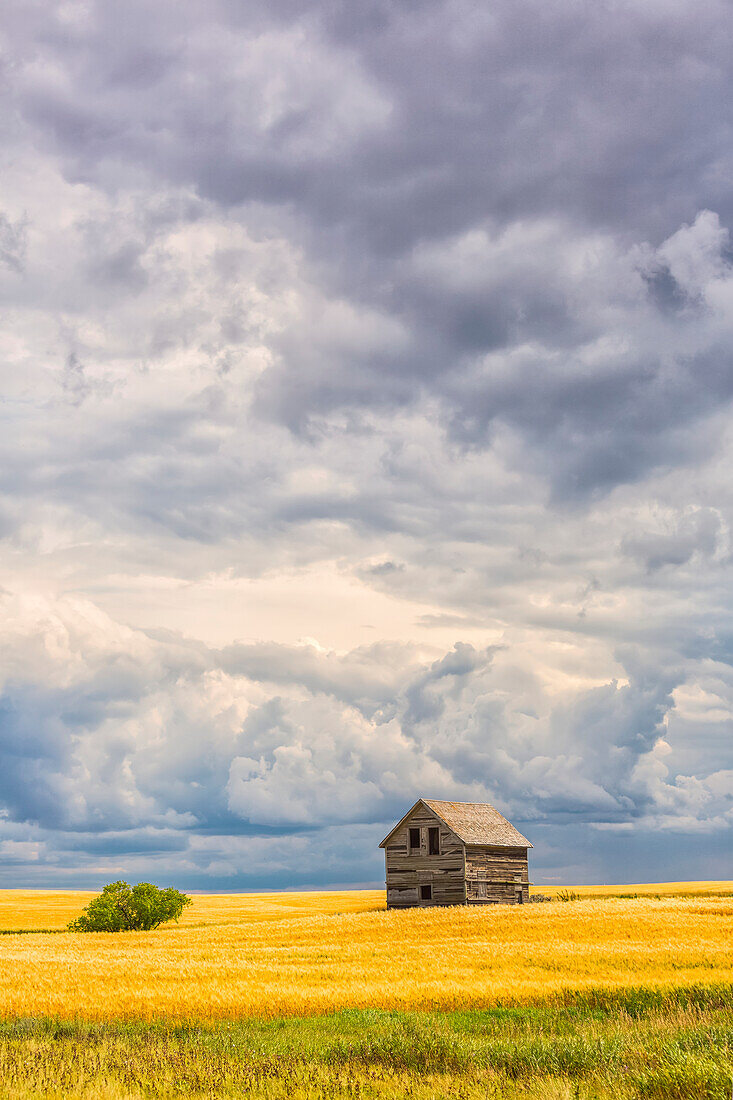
[[472, 822], [401, 822]]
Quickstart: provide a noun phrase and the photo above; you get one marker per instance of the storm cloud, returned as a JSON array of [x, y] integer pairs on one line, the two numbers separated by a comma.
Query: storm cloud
[[367, 377]]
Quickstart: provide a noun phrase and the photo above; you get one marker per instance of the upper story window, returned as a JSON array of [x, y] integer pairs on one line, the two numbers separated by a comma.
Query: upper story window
[[434, 842], [414, 840]]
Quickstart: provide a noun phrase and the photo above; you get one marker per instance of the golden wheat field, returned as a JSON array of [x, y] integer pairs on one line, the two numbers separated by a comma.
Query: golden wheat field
[[305, 954]]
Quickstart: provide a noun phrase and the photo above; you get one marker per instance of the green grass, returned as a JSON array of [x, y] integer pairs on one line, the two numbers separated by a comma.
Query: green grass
[[674, 1045], [31, 931]]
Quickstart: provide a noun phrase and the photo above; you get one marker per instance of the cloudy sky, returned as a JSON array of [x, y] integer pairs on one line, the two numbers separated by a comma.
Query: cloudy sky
[[367, 427]]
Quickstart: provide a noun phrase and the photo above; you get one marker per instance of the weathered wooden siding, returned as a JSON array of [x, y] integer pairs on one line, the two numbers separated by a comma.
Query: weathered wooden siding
[[406, 871], [496, 875]]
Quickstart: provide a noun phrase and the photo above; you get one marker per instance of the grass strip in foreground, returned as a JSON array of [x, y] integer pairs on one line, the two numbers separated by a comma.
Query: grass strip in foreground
[[673, 1045]]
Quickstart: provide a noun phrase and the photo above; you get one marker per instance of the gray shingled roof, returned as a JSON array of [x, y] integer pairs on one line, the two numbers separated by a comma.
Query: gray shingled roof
[[478, 823]]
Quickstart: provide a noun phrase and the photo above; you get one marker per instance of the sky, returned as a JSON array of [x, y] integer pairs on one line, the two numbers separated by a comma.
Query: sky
[[367, 427]]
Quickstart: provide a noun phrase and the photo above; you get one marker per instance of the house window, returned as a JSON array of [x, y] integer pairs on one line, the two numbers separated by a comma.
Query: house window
[[482, 889], [414, 839], [433, 842], [426, 893]]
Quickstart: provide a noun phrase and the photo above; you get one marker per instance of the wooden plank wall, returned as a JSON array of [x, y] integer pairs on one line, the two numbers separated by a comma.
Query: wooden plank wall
[[407, 872], [502, 872]]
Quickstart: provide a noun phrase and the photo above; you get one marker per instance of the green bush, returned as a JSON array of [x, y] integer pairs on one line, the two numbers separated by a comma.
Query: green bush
[[122, 908]]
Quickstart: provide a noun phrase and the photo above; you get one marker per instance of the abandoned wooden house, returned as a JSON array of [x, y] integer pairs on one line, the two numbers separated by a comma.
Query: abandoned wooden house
[[455, 853]]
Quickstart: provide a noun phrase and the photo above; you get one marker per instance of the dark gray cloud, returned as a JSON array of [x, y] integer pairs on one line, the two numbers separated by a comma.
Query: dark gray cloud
[[447, 113], [381, 141]]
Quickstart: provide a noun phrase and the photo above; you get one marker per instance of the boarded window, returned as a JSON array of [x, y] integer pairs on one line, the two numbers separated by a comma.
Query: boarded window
[[414, 839], [482, 889], [426, 893], [434, 842]]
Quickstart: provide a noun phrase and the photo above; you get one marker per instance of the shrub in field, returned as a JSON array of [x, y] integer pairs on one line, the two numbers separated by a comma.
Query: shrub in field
[[124, 908], [568, 895]]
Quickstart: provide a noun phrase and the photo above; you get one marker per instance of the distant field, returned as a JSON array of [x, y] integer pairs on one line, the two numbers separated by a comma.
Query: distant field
[[33, 909], [644, 889], [53, 909], [322, 996]]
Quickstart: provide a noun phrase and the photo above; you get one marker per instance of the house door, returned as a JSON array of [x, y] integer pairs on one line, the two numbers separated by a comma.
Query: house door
[[520, 897]]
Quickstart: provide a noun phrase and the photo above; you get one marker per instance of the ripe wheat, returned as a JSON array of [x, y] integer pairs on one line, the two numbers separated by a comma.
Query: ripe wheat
[[252, 957]]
